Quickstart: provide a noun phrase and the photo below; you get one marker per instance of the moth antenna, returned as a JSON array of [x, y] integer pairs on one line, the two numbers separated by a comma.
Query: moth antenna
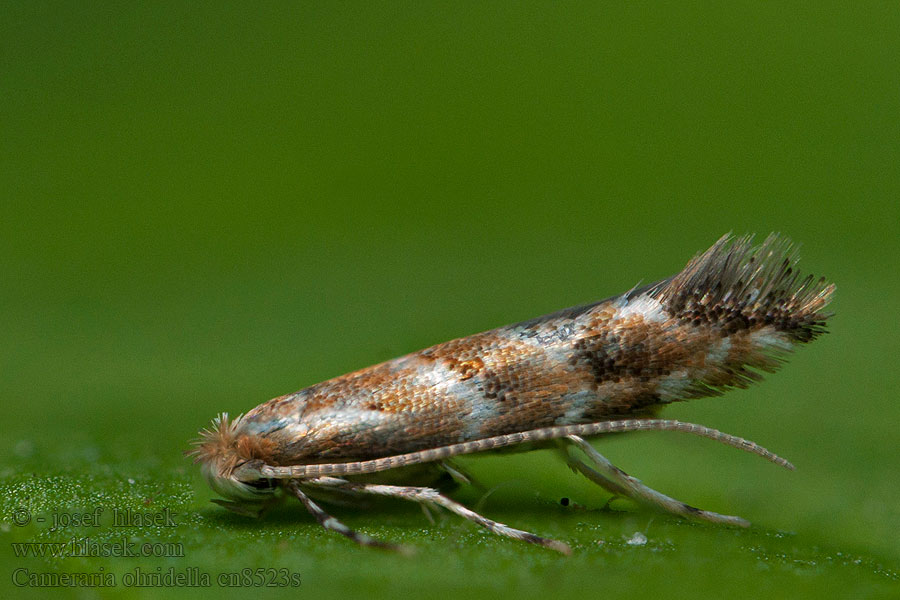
[[500, 441]]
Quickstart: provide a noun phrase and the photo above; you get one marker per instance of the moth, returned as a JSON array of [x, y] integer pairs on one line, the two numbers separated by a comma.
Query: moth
[[733, 312]]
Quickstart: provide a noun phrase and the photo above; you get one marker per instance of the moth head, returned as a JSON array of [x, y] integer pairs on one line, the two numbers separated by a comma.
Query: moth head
[[231, 461]]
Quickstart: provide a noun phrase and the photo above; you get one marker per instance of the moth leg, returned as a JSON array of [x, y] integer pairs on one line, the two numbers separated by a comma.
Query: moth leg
[[458, 475], [610, 477], [578, 466], [247, 510], [426, 495], [329, 522], [427, 512]]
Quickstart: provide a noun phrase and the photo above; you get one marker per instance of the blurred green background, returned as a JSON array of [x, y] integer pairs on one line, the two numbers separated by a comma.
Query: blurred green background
[[206, 205]]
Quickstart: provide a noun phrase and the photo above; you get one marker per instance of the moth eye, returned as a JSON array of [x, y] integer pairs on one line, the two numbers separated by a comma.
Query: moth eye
[[262, 484]]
